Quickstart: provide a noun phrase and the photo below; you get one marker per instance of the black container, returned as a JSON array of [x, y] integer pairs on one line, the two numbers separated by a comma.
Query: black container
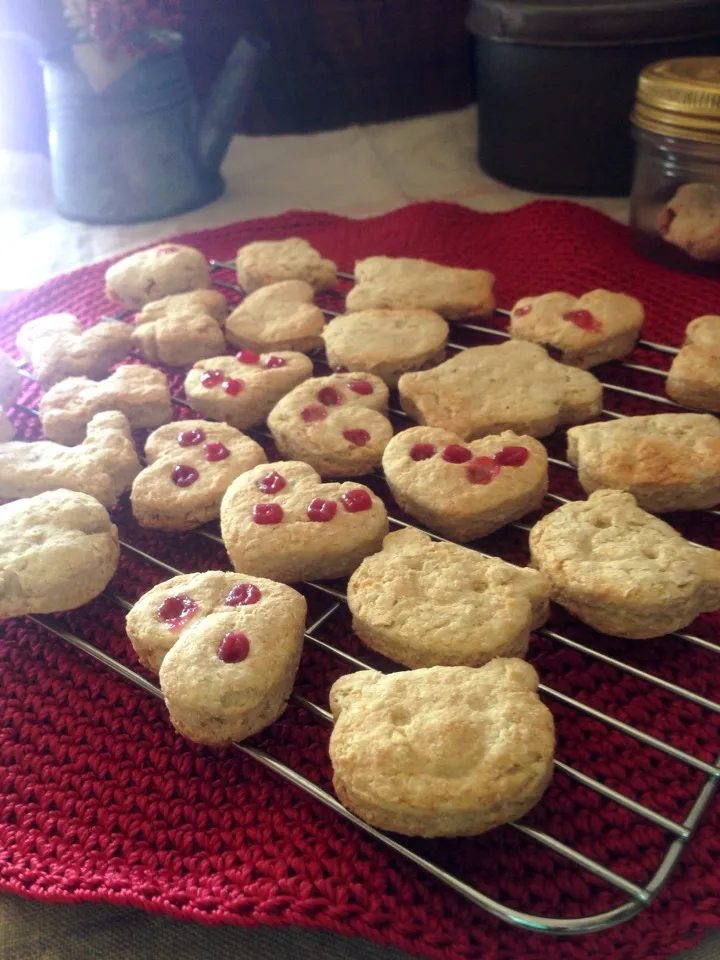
[[556, 83]]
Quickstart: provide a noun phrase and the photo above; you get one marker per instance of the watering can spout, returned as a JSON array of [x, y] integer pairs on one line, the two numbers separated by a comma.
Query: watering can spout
[[227, 100]]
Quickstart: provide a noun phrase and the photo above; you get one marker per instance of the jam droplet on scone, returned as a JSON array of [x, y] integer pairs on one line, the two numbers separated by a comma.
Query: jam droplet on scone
[[273, 362], [356, 436], [243, 595], [191, 438], [233, 386], [272, 482], [422, 451], [522, 311], [511, 456], [329, 397], [340, 369], [248, 356], [183, 476], [176, 611], [454, 453], [321, 510], [583, 319], [266, 513], [234, 648], [482, 470], [313, 412], [211, 378], [363, 387], [355, 501], [215, 450]]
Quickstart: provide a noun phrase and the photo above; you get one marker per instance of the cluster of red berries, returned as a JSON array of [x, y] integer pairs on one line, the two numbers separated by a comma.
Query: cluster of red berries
[[131, 26]]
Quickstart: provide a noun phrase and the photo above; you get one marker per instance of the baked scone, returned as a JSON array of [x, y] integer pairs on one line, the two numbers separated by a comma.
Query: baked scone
[[191, 463], [465, 490], [102, 466], [668, 461], [264, 262], [442, 751], [57, 551], [386, 342], [156, 273], [427, 604], [279, 521], [7, 430], [694, 377], [513, 386], [622, 570], [226, 647], [279, 317], [334, 423], [243, 389], [140, 392], [10, 380], [182, 328], [587, 330], [57, 346], [691, 221], [404, 283]]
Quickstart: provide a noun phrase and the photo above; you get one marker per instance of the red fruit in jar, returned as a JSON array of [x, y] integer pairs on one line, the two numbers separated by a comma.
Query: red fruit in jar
[[176, 610], [271, 482], [211, 378], [455, 453], [321, 510], [248, 356], [482, 470], [243, 595], [357, 436], [512, 456], [422, 451], [191, 438], [215, 450], [267, 513], [183, 475], [234, 647], [356, 500], [313, 412]]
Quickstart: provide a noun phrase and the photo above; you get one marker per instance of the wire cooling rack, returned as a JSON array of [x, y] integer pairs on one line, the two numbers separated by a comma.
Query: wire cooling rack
[[635, 897]]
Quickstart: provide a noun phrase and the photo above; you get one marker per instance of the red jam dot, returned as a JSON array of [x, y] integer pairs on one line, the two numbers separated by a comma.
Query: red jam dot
[[522, 311], [248, 356], [422, 451], [321, 510], [183, 476], [363, 387], [211, 378], [266, 513], [177, 610], [234, 648], [313, 412], [583, 319], [191, 438], [356, 500], [512, 456], [273, 362], [329, 396], [357, 436], [215, 450], [271, 483], [454, 453], [340, 369], [233, 386], [243, 595], [482, 470]]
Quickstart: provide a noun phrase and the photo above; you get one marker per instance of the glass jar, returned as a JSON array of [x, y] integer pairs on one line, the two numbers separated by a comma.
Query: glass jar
[[675, 201]]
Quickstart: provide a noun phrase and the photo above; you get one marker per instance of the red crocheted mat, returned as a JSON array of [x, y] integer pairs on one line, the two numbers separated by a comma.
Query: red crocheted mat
[[101, 800]]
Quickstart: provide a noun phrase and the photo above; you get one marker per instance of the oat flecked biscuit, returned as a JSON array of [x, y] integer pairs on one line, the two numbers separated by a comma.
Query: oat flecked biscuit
[[403, 283], [191, 463], [668, 461], [386, 342], [441, 751], [622, 570], [694, 377], [426, 604], [587, 330], [264, 262], [335, 423], [513, 386], [103, 465], [226, 647], [138, 391], [58, 550], [280, 521], [57, 346], [182, 328], [156, 273], [691, 221], [279, 317]]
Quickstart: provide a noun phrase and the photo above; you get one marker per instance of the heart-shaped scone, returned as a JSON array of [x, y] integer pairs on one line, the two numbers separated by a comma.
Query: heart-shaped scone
[[465, 490], [155, 273], [334, 423], [622, 570], [279, 521], [191, 465], [242, 390], [513, 386], [668, 461], [587, 330], [694, 376], [279, 317], [442, 751], [264, 262], [182, 328], [226, 647], [428, 604], [57, 551], [691, 221]]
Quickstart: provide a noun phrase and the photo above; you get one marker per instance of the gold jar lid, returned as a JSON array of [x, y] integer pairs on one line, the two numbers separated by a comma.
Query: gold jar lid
[[680, 98]]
